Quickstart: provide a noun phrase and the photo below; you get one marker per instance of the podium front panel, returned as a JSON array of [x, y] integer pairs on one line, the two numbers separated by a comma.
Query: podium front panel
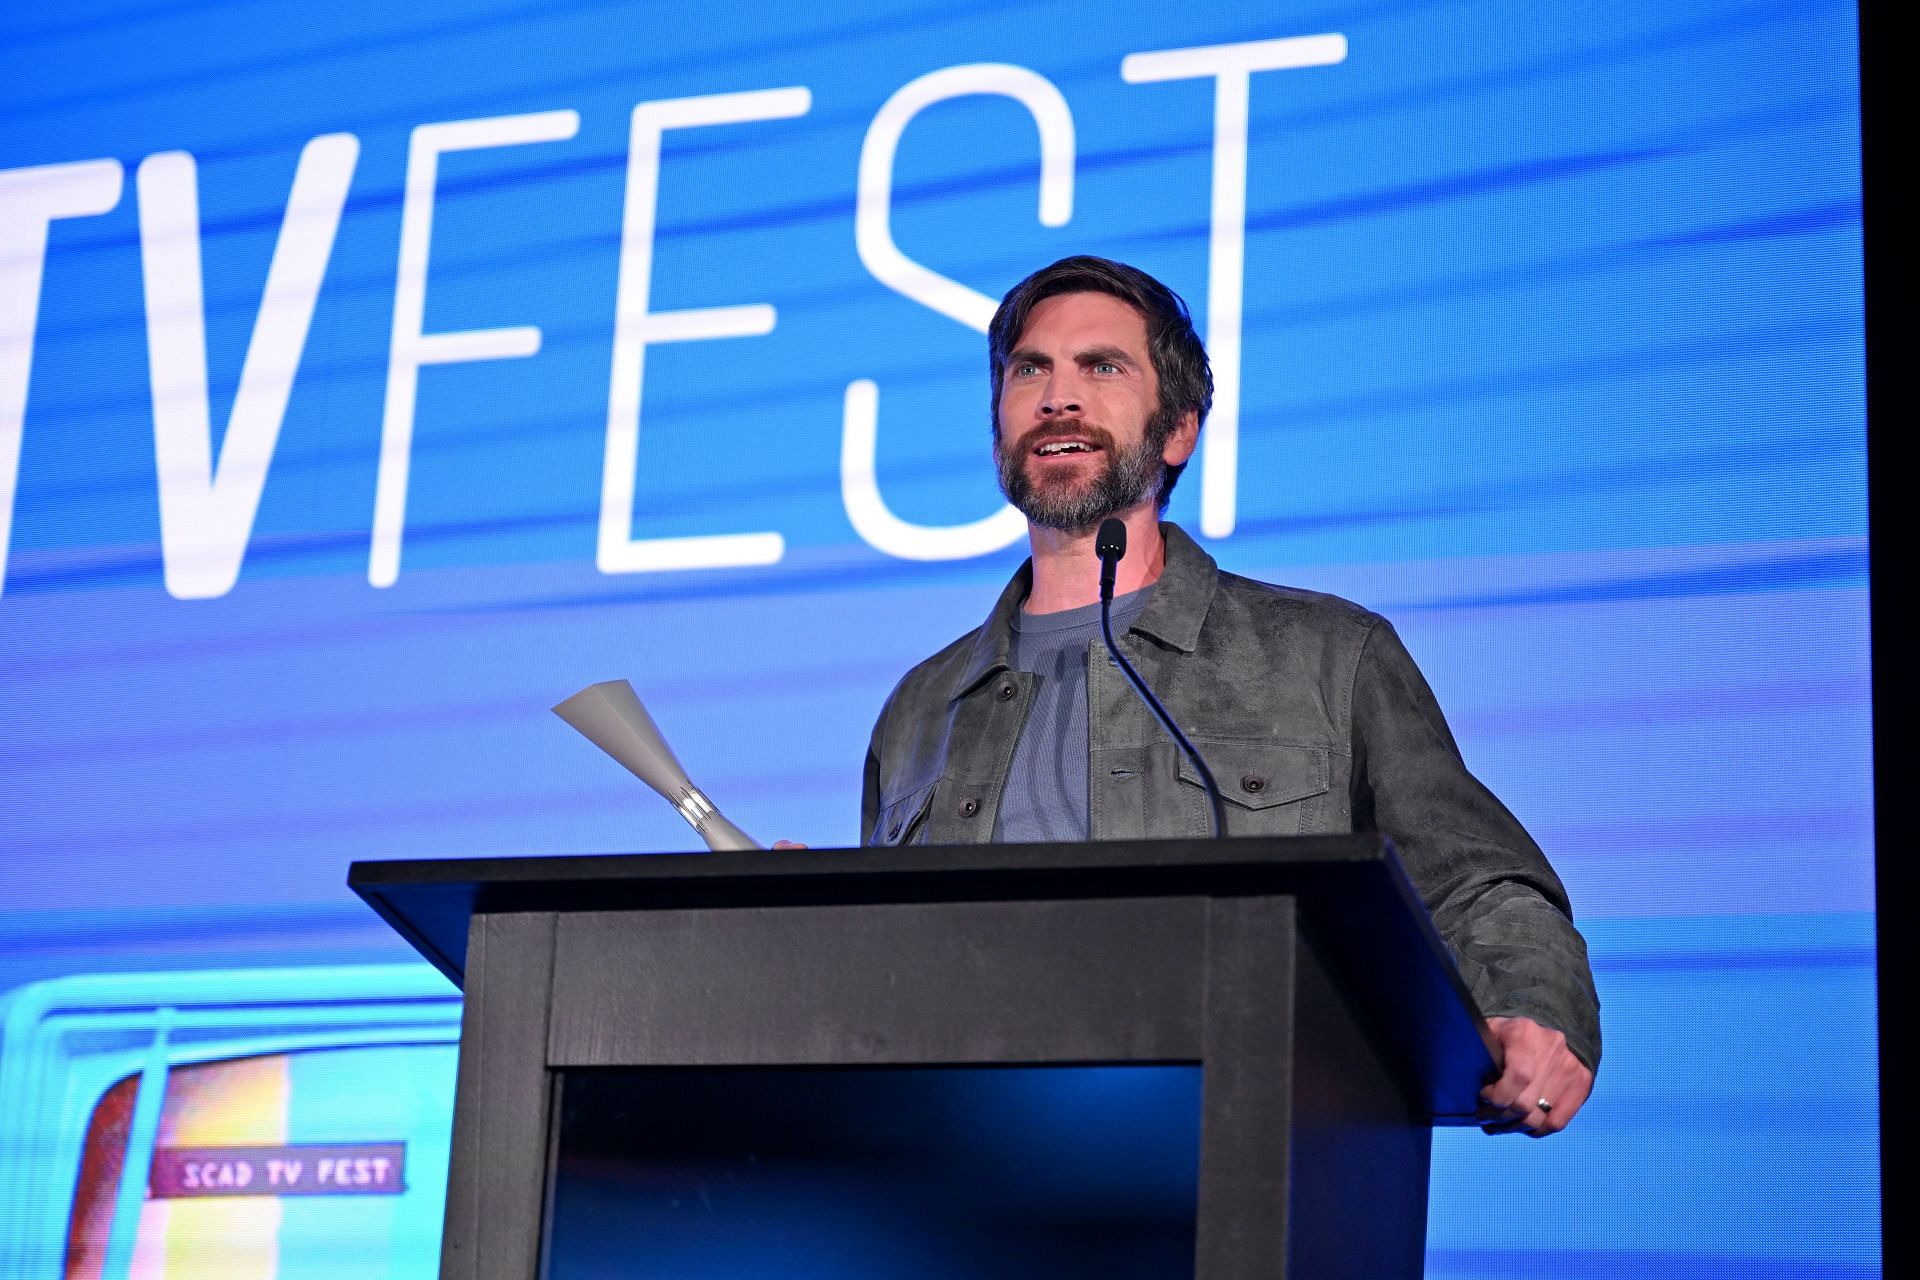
[[952, 982], [813, 999], [938, 1173]]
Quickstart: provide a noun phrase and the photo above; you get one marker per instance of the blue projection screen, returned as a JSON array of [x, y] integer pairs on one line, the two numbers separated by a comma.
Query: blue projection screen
[[372, 376]]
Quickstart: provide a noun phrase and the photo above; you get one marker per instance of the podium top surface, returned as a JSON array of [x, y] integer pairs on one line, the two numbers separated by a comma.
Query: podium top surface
[[429, 901], [1353, 896]]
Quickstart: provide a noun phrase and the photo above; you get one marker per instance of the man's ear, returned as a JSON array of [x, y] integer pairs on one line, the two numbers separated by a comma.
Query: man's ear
[[1184, 440]]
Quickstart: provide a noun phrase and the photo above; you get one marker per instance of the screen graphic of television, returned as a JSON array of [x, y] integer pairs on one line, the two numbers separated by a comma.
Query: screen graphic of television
[[251, 1125]]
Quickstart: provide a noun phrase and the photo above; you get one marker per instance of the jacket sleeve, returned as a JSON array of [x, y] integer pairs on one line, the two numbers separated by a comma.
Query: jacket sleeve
[[1493, 896], [870, 789]]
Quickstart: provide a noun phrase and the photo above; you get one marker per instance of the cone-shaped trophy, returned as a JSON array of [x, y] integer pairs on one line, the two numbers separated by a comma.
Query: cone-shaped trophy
[[611, 717]]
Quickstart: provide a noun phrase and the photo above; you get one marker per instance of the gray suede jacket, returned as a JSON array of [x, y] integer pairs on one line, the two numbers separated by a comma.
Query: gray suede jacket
[[1313, 718]]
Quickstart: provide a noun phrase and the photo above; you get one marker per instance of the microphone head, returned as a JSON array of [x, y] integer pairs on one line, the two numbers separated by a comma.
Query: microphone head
[[1110, 544]]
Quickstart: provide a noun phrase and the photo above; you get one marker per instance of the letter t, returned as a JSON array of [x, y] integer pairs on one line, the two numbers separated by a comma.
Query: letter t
[[1232, 66], [30, 199]]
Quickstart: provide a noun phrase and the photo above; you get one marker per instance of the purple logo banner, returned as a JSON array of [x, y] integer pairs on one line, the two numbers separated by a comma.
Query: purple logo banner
[[302, 1169]]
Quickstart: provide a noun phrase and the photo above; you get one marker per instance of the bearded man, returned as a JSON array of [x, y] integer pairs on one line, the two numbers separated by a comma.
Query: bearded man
[[1306, 707]]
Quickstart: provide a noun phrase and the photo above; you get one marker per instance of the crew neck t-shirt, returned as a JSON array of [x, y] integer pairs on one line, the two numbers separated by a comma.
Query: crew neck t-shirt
[[1046, 791]]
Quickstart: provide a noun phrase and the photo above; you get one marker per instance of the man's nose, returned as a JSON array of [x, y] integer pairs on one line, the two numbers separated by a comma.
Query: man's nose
[[1060, 399]]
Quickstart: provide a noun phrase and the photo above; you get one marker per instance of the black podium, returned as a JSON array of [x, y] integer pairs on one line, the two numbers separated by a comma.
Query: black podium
[[1302, 977]]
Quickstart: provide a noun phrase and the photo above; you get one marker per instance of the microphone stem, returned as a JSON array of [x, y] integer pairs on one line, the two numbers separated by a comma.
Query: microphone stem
[[1160, 713]]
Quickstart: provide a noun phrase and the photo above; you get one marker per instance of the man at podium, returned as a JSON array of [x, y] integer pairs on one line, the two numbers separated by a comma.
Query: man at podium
[[1307, 708]]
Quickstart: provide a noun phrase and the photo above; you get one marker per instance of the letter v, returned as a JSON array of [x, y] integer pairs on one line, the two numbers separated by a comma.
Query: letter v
[[207, 510]]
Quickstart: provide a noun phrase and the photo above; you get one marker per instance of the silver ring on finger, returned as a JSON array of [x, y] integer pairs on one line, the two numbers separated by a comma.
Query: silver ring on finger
[[1546, 1108]]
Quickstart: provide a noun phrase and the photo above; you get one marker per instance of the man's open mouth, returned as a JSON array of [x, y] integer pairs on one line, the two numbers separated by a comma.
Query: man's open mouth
[[1056, 448]]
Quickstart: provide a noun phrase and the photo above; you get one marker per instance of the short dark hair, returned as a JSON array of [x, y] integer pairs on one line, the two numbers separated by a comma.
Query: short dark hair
[[1179, 358]]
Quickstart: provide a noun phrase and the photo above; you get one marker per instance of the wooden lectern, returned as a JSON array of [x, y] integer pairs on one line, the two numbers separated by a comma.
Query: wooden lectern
[[1302, 975]]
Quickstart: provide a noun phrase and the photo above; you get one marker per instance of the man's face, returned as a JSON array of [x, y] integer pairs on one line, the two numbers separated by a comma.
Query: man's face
[[1080, 435]]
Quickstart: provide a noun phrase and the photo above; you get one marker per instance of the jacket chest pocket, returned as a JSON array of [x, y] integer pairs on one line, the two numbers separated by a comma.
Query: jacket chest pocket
[[904, 820], [1269, 788]]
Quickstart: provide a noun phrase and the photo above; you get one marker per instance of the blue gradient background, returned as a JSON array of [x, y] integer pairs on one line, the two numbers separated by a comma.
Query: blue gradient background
[[1553, 354]]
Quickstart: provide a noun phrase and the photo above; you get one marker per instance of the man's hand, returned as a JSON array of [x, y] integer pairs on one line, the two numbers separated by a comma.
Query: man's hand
[[788, 844], [1542, 1086]]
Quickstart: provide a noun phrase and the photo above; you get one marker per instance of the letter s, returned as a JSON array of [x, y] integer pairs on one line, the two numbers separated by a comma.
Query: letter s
[[873, 237]]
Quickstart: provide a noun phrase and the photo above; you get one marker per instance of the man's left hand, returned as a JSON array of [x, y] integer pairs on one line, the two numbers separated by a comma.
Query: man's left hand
[[1542, 1086]]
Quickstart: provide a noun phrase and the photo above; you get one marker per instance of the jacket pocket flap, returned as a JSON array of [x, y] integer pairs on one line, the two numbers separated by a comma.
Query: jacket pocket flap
[[1260, 775], [899, 820]]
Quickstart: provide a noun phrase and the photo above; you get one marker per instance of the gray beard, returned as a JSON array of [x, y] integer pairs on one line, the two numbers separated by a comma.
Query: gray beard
[[1130, 476]]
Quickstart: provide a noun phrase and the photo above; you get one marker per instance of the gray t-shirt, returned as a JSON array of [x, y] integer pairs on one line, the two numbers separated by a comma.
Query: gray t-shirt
[[1046, 793]]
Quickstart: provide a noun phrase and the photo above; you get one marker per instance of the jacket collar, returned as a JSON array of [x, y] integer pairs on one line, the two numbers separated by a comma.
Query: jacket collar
[[1181, 597], [1183, 594]]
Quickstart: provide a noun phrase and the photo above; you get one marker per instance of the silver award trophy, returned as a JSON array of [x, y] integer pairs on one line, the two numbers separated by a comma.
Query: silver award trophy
[[611, 717]]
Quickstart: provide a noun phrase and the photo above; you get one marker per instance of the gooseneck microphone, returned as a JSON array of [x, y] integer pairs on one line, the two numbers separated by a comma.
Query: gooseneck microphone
[[1110, 544]]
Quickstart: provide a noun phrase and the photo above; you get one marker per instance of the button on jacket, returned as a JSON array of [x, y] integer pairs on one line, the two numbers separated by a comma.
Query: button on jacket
[[1313, 718]]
